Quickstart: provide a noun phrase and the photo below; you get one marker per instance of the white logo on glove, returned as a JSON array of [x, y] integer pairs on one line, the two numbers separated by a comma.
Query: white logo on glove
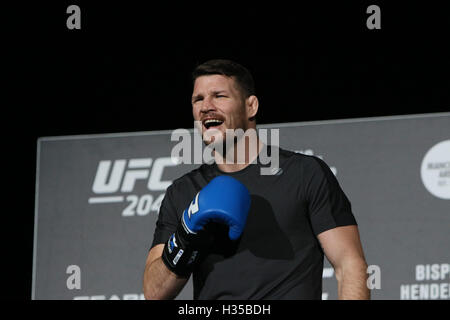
[[193, 207]]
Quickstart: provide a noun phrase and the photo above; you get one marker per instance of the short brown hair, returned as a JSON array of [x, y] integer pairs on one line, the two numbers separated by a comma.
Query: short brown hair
[[227, 68]]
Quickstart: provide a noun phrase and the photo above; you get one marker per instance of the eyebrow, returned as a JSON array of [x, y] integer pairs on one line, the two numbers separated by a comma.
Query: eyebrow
[[195, 97], [220, 91]]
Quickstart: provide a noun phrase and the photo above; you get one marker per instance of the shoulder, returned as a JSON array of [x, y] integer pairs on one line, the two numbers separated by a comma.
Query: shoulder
[[184, 188], [300, 160], [304, 167], [191, 181]]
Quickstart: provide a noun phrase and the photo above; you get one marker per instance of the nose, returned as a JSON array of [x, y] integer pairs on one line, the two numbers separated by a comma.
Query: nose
[[207, 106]]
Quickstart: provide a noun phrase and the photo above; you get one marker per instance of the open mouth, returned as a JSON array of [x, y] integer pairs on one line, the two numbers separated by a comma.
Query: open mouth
[[212, 123]]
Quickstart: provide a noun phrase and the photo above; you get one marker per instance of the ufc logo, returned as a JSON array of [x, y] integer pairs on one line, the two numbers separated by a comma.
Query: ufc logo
[[123, 174]]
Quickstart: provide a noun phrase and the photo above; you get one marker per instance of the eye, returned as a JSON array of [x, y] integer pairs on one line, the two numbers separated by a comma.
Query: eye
[[197, 99]]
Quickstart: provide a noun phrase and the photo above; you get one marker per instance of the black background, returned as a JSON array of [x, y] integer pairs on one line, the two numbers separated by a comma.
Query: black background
[[128, 69]]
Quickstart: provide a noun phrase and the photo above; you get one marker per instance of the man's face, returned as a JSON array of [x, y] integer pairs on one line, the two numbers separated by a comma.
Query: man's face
[[218, 105]]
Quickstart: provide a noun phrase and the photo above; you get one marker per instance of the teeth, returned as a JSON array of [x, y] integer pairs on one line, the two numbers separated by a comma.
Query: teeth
[[212, 120]]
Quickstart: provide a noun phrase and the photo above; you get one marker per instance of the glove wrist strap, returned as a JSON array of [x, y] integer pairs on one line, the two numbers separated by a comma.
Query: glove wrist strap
[[179, 256]]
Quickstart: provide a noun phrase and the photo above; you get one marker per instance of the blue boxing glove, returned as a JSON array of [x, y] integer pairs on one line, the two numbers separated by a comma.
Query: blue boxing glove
[[223, 200]]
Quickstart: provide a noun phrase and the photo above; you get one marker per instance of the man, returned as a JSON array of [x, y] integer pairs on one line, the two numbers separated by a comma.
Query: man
[[296, 215]]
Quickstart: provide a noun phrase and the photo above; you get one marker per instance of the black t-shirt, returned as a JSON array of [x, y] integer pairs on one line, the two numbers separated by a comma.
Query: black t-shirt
[[278, 255]]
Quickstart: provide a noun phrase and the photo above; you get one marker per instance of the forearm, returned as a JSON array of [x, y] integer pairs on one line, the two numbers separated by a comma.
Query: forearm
[[352, 281], [160, 283]]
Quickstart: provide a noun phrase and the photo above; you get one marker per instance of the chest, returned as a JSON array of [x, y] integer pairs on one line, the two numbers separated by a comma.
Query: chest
[[277, 202]]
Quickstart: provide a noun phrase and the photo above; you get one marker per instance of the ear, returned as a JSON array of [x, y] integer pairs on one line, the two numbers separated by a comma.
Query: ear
[[251, 105]]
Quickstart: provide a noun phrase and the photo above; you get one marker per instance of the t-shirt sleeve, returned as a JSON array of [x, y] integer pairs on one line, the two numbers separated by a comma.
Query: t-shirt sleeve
[[168, 219], [328, 206]]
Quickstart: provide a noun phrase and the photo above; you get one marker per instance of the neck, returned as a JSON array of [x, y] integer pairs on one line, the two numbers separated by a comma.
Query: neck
[[239, 156]]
